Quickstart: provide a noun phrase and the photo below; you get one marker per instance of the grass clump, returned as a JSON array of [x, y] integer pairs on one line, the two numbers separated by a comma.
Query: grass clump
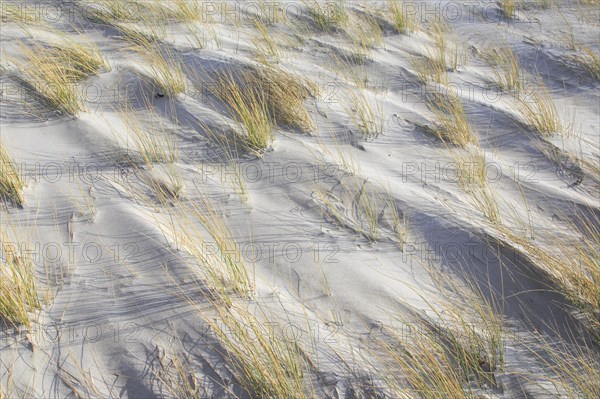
[[434, 65], [578, 270], [249, 110], [453, 124], [367, 115], [508, 8], [404, 21], [540, 112], [177, 376], [285, 95], [354, 207], [472, 326], [202, 231], [161, 64], [165, 70], [506, 69], [230, 154], [590, 60], [10, 184], [260, 98], [454, 353], [186, 10], [571, 261], [54, 71], [364, 34], [435, 361], [266, 364], [265, 45], [18, 292], [327, 16], [473, 180], [420, 366], [352, 68], [574, 370]]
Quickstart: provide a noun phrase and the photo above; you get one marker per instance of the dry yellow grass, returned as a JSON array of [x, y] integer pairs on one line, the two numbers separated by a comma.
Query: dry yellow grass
[[590, 59], [11, 187], [177, 376], [572, 263], [453, 352], [418, 367], [453, 124], [363, 208], [285, 94], [265, 45], [266, 364], [473, 180], [354, 207], [539, 110], [366, 113], [364, 34], [327, 17], [508, 8], [573, 369], [249, 110], [18, 292], [199, 228], [434, 65], [402, 16], [258, 99], [162, 64], [54, 71], [506, 68]]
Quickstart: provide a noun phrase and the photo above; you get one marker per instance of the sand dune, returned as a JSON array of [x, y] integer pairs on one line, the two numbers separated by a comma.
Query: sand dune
[[306, 199]]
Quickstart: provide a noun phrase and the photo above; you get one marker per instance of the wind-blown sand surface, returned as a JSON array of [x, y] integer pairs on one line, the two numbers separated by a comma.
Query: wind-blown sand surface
[[391, 239]]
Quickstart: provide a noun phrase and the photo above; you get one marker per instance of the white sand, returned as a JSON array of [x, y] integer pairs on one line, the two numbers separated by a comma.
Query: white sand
[[116, 305]]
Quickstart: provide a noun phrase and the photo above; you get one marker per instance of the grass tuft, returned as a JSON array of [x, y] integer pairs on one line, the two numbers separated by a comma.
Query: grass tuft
[[354, 207], [265, 45], [327, 16], [508, 8], [453, 124], [202, 231], [54, 71], [18, 293], [590, 60], [435, 64], [249, 109], [572, 263], [371, 212], [10, 184], [367, 115], [540, 112], [573, 369], [472, 179], [260, 98], [162, 65], [506, 69], [403, 20], [364, 34], [266, 364], [453, 353]]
